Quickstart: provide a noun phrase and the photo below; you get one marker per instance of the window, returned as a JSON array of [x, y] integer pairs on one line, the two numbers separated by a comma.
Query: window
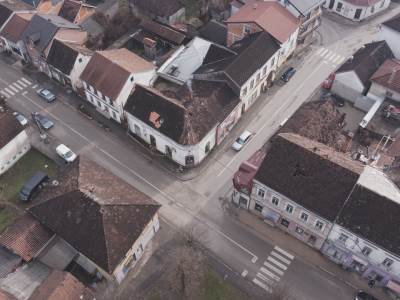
[[289, 208], [387, 262], [304, 217], [372, 9], [299, 230], [382, 3], [275, 200], [80, 60], [366, 251], [343, 238], [261, 193], [258, 77], [339, 6], [264, 71], [252, 84], [258, 207], [285, 222], [319, 225], [245, 91], [208, 146], [273, 62], [114, 115]]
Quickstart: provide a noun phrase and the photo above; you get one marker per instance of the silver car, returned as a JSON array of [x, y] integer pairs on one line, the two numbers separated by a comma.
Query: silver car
[[21, 118], [46, 95], [242, 140]]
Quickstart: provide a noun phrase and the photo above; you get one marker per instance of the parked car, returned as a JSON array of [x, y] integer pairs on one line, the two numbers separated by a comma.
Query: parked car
[[361, 295], [328, 82], [242, 140], [65, 153], [46, 95], [32, 185], [20, 118], [288, 74], [42, 120]]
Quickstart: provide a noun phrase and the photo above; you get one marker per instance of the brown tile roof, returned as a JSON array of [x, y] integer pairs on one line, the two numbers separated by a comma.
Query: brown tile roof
[[25, 237], [388, 75], [163, 31], [367, 60], [270, 16], [15, 27], [9, 125], [309, 173], [96, 212], [61, 286], [108, 71]]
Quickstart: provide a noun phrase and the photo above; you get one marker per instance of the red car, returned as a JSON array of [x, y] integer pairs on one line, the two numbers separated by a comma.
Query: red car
[[327, 84]]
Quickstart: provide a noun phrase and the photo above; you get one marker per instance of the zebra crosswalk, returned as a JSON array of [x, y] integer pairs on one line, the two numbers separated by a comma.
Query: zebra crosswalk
[[272, 270], [16, 87], [330, 57]]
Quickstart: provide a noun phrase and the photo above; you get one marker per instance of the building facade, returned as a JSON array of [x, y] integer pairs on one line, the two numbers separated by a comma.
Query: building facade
[[356, 10], [390, 32]]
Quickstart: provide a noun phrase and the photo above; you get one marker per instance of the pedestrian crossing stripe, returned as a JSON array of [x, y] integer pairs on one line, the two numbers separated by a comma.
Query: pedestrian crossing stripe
[[20, 82], [13, 88], [273, 268], [4, 94], [270, 274], [9, 91], [17, 86], [269, 281], [262, 285], [26, 81], [281, 258], [277, 263], [284, 252]]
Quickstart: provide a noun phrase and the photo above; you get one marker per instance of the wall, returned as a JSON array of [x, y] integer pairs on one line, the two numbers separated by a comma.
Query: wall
[[391, 37], [17, 49], [308, 227], [136, 252], [348, 10], [348, 86], [237, 31], [13, 151], [382, 92], [179, 152], [77, 70], [351, 250]]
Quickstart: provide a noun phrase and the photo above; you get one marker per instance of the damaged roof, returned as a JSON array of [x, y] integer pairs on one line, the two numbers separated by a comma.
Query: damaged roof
[[184, 114], [108, 71], [310, 173], [14, 28], [96, 212], [388, 75], [367, 60], [25, 237], [271, 16], [164, 32], [9, 125]]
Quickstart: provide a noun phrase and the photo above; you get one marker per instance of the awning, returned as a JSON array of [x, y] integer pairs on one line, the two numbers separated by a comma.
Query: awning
[[270, 215], [394, 286]]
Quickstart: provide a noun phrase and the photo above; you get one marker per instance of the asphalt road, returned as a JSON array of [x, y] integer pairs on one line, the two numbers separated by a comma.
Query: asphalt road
[[195, 203]]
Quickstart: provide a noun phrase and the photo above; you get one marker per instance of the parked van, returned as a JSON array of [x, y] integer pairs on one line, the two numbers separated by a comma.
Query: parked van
[[31, 186]]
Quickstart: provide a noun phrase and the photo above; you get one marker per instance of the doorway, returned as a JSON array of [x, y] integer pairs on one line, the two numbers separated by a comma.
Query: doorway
[[357, 15], [331, 4], [153, 141]]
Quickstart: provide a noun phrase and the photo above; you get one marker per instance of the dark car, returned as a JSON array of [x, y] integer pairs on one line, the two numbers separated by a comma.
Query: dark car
[[42, 120], [361, 295], [338, 101], [32, 185], [46, 95], [288, 74]]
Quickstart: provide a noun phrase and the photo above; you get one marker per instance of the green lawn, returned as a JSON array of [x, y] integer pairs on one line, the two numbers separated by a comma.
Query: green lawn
[[215, 288], [12, 181], [7, 216]]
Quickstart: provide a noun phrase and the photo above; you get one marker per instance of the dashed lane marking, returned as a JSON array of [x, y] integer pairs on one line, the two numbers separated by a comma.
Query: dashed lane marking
[[35, 86]]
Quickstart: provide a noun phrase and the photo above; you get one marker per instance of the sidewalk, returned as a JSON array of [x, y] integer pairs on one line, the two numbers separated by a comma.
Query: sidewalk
[[306, 253]]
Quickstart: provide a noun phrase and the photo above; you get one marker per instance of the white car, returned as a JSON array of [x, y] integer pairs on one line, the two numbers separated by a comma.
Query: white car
[[65, 153], [20, 118], [242, 140]]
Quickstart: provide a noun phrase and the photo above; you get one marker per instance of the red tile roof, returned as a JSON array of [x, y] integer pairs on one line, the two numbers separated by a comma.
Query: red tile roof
[[270, 16], [388, 75], [25, 237]]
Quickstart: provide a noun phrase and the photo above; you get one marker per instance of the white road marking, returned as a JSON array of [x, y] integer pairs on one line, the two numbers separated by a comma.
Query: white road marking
[[24, 93], [262, 285], [287, 254], [266, 279], [281, 258], [254, 259], [9, 91], [17, 86], [323, 52], [26, 81], [13, 88], [334, 57], [244, 273], [35, 86], [22, 83], [328, 57], [270, 274], [273, 268], [320, 50], [274, 261], [4, 94], [337, 59]]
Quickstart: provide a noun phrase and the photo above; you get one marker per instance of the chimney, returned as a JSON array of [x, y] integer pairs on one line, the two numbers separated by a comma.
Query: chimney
[[150, 48]]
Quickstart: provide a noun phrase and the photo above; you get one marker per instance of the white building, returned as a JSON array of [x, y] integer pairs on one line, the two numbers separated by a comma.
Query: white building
[[14, 142], [185, 123], [386, 80], [294, 176], [390, 32], [357, 10], [110, 77], [107, 222]]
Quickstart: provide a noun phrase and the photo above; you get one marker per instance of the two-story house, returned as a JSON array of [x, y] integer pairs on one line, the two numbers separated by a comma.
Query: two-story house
[[267, 16], [167, 11], [66, 63], [105, 222], [386, 80], [14, 142], [356, 10], [110, 77], [365, 236], [301, 186], [390, 32]]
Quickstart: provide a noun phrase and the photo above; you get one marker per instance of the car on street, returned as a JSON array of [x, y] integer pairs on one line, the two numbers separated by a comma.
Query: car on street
[[42, 121], [288, 74], [242, 140], [21, 118], [361, 295], [65, 153], [46, 95]]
